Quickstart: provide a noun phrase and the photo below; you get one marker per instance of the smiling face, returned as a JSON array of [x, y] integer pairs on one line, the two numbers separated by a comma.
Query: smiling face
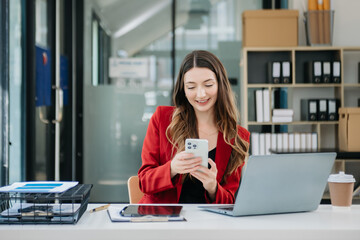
[[201, 88]]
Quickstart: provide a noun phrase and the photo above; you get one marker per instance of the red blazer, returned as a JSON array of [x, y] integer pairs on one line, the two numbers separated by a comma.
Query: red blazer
[[154, 174]]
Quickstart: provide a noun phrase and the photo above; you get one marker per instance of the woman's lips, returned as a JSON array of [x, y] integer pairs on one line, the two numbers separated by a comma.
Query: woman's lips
[[202, 102]]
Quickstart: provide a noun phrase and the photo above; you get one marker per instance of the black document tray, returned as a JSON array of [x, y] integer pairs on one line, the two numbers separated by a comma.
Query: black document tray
[[45, 208]]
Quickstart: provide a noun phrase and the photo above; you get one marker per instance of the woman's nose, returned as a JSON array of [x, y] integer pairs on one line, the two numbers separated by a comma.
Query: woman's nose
[[201, 92]]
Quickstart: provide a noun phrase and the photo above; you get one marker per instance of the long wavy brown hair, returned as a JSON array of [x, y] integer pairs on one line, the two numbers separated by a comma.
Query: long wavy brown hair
[[184, 124]]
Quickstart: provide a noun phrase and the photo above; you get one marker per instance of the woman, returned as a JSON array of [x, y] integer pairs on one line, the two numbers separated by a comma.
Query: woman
[[204, 108]]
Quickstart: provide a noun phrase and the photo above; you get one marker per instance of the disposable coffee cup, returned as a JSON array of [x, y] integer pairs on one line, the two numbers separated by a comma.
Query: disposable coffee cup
[[341, 187]]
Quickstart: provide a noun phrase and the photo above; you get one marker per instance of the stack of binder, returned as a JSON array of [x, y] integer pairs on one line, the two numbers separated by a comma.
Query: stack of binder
[[319, 109], [323, 72], [279, 72]]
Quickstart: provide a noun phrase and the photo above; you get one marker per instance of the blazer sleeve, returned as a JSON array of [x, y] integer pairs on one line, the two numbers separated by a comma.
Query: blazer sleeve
[[225, 193], [154, 174]]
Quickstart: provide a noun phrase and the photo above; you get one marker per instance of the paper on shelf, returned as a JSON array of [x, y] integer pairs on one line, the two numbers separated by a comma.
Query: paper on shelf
[[255, 143], [283, 112]]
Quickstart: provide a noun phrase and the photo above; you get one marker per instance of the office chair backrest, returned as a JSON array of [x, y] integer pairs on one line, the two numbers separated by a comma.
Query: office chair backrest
[[135, 193]]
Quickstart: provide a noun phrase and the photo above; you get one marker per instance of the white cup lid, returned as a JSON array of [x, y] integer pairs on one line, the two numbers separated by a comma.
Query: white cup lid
[[341, 178]]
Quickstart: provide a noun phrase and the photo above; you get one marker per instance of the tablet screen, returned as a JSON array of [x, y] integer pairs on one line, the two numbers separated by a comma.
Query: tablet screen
[[155, 210]]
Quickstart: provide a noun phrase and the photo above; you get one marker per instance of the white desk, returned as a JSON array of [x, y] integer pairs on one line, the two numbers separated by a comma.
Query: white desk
[[325, 223]]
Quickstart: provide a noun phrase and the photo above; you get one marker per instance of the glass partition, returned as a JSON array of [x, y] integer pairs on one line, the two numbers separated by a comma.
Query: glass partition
[[116, 114]]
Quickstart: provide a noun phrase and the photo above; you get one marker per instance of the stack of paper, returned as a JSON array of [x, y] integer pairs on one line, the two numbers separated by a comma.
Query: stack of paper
[[39, 187], [282, 115]]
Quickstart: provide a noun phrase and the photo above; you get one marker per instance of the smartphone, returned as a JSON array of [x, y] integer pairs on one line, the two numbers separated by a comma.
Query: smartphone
[[154, 210], [199, 147]]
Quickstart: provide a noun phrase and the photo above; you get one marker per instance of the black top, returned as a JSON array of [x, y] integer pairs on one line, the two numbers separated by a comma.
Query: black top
[[192, 190]]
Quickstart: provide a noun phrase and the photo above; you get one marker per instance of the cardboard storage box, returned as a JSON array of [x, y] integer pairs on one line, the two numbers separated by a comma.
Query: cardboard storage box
[[349, 129], [270, 28]]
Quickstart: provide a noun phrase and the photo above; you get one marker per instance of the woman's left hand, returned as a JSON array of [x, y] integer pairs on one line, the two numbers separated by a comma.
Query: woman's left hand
[[208, 178]]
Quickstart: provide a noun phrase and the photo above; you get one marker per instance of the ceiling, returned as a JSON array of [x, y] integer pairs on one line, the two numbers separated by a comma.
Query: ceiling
[[134, 24]]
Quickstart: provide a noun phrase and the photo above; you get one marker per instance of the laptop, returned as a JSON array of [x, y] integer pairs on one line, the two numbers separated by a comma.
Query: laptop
[[280, 183]]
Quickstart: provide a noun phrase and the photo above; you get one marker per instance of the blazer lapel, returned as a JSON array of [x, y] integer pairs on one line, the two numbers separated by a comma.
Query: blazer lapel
[[222, 156]]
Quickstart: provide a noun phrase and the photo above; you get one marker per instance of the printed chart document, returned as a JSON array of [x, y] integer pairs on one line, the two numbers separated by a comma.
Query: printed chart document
[[115, 216], [39, 187]]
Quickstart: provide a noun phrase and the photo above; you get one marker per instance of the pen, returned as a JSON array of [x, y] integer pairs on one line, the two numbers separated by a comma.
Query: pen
[[100, 208]]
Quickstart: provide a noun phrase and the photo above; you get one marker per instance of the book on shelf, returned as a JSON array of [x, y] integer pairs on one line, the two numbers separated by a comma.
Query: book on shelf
[[308, 141], [266, 143], [314, 142], [285, 142], [259, 106], [266, 105], [279, 143], [280, 98], [255, 143], [302, 141], [280, 101], [297, 142], [273, 141], [291, 142], [262, 105], [262, 144], [277, 4]]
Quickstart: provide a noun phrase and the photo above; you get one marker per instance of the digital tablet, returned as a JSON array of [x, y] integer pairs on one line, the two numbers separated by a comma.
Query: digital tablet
[[154, 210]]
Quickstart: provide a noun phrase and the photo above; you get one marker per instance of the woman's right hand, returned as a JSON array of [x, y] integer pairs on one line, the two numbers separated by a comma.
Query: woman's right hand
[[184, 163]]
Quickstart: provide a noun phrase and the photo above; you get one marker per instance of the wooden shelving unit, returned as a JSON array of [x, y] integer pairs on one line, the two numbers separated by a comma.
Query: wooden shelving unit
[[348, 92], [254, 64]]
